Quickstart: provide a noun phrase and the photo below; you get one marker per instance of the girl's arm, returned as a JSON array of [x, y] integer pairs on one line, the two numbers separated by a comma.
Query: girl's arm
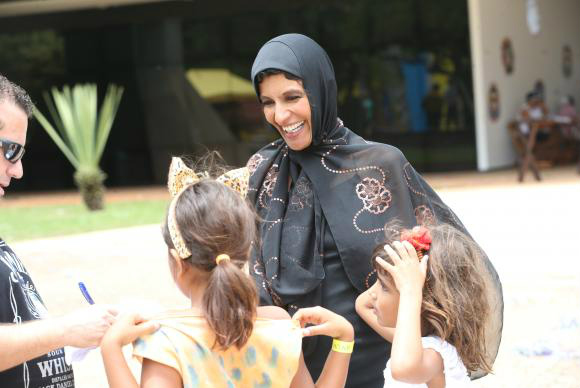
[[327, 323], [333, 325], [125, 330], [410, 363], [364, 308], [155, 375]]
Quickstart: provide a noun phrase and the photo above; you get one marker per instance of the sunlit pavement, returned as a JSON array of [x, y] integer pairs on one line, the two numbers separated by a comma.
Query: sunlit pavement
[[530, 231]]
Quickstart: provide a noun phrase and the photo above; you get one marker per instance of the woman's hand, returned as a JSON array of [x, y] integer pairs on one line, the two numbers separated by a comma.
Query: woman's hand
[[325, 323], [407, 270], [126, 329]]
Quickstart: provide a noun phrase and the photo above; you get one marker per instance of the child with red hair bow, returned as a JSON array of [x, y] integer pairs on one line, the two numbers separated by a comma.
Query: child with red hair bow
[[428, 301]]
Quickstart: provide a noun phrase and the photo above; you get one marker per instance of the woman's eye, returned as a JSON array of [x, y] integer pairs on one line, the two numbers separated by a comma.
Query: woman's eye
[[293, 98], [267, 103]]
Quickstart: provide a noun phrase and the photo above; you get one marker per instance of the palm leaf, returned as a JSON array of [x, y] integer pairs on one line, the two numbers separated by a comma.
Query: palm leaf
[[56, 138], [83, 130], [106, 116]]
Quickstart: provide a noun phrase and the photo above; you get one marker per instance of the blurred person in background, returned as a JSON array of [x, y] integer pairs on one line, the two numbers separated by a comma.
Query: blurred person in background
[[568, 118], [534, 112]]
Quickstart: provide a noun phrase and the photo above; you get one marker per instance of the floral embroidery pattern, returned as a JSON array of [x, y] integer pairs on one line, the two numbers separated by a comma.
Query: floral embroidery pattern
[[375, 196], [270, 180], [268, 185], [424, 215], [254, 163], [301, 196]]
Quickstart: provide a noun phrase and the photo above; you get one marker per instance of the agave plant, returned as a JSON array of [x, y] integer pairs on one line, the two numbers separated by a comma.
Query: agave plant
[[82, 133]]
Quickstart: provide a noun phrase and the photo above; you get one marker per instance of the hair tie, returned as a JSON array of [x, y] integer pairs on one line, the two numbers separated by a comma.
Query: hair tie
[[222, 257], [419, 237]]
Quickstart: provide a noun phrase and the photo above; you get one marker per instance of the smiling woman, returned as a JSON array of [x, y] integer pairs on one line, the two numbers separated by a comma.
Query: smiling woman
[[287, 109], [324, 195]]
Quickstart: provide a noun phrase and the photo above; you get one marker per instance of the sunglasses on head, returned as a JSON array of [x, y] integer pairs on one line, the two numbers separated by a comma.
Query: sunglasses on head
[[12, 151]]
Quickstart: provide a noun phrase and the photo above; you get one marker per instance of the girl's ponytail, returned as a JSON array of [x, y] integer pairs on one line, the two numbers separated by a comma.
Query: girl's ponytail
[[230, 302], [218, 227]]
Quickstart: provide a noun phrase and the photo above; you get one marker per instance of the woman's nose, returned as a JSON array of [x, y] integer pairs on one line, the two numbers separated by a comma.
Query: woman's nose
[[282, 113]]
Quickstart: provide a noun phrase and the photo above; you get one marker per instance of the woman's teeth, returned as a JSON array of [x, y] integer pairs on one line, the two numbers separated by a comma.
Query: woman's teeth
[[293, 128]]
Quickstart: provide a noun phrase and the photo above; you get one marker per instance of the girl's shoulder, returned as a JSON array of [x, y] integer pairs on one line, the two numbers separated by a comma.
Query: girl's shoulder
[[272, 312], [452, 364]]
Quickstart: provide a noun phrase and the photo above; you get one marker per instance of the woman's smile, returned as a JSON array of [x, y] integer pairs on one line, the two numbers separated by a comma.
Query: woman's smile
[[294, 128], [286, 107]]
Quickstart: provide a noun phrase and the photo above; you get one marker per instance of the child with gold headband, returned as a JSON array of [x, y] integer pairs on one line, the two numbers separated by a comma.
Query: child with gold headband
[[224, 339]]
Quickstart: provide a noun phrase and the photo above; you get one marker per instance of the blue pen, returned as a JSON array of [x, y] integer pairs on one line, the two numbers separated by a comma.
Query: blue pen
[[86, 293]]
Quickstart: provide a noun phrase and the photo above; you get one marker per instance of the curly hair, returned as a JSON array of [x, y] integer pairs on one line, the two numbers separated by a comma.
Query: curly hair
[[454, 293]]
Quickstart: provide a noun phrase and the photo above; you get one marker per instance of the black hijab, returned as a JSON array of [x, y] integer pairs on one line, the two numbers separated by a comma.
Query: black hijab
[[341, 181]]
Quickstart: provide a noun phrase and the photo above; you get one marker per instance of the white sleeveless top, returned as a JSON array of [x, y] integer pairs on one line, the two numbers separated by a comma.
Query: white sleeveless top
[[455, 372]]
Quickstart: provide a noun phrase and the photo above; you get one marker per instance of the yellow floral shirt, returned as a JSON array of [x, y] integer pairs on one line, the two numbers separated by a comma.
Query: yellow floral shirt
[[184, 342]]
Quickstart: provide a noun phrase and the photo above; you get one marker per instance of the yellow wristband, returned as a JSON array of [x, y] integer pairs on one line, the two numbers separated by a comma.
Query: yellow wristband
[[342, 346]]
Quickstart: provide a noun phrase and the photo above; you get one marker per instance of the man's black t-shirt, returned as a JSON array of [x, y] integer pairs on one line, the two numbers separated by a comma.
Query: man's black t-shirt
[[20, 302]]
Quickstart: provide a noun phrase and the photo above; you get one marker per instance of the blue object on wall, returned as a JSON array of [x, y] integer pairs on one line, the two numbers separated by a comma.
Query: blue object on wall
[[415, 74]]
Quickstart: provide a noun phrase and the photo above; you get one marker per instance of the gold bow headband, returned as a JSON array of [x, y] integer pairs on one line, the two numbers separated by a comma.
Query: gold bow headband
[[180, 178]]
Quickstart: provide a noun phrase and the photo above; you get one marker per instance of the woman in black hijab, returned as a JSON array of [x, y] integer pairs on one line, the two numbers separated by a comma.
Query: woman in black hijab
[[324, 195]]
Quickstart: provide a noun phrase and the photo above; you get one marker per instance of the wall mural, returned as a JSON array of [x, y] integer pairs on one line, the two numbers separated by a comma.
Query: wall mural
[[507, 55], [493, 102]]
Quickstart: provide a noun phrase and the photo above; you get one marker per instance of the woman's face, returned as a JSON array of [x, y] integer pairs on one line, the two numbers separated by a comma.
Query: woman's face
[[385, 302], [286, 107]]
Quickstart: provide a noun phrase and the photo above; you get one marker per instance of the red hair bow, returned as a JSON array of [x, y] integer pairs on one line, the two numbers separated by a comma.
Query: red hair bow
[[419, 237]]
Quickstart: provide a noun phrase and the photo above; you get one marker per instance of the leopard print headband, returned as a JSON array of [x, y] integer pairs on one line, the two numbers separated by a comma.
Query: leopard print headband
[[180, 178]]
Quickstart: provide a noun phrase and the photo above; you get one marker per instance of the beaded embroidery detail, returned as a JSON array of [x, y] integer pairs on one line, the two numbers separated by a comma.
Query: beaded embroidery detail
[[373, 193], [424, 215], [268, 185], [254, 163], [375, 196], [302, 195]]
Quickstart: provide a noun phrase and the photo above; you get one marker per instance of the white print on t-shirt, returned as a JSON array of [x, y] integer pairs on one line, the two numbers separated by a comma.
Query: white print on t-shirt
[[32, 298], [52, 366], [33, 302], [56, 366]]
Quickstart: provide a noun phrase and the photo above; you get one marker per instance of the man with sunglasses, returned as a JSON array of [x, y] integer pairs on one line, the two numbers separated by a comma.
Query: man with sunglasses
[[31, 345]]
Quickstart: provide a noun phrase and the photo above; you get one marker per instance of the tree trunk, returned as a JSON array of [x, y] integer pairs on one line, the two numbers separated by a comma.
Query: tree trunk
[[91, 187]]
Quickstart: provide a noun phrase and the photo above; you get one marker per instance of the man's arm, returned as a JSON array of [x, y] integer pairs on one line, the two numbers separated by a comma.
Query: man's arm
[[82, 328]]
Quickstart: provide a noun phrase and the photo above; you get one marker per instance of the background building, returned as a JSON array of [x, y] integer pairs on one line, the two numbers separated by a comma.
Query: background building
[[544, 37], [404, 71]]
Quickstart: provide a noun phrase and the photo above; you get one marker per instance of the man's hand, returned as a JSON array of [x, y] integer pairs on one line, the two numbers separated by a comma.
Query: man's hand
[[86, 327], [127, 329]]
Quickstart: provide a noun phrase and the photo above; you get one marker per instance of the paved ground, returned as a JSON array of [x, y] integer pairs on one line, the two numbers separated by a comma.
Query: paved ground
[[530, 231]]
